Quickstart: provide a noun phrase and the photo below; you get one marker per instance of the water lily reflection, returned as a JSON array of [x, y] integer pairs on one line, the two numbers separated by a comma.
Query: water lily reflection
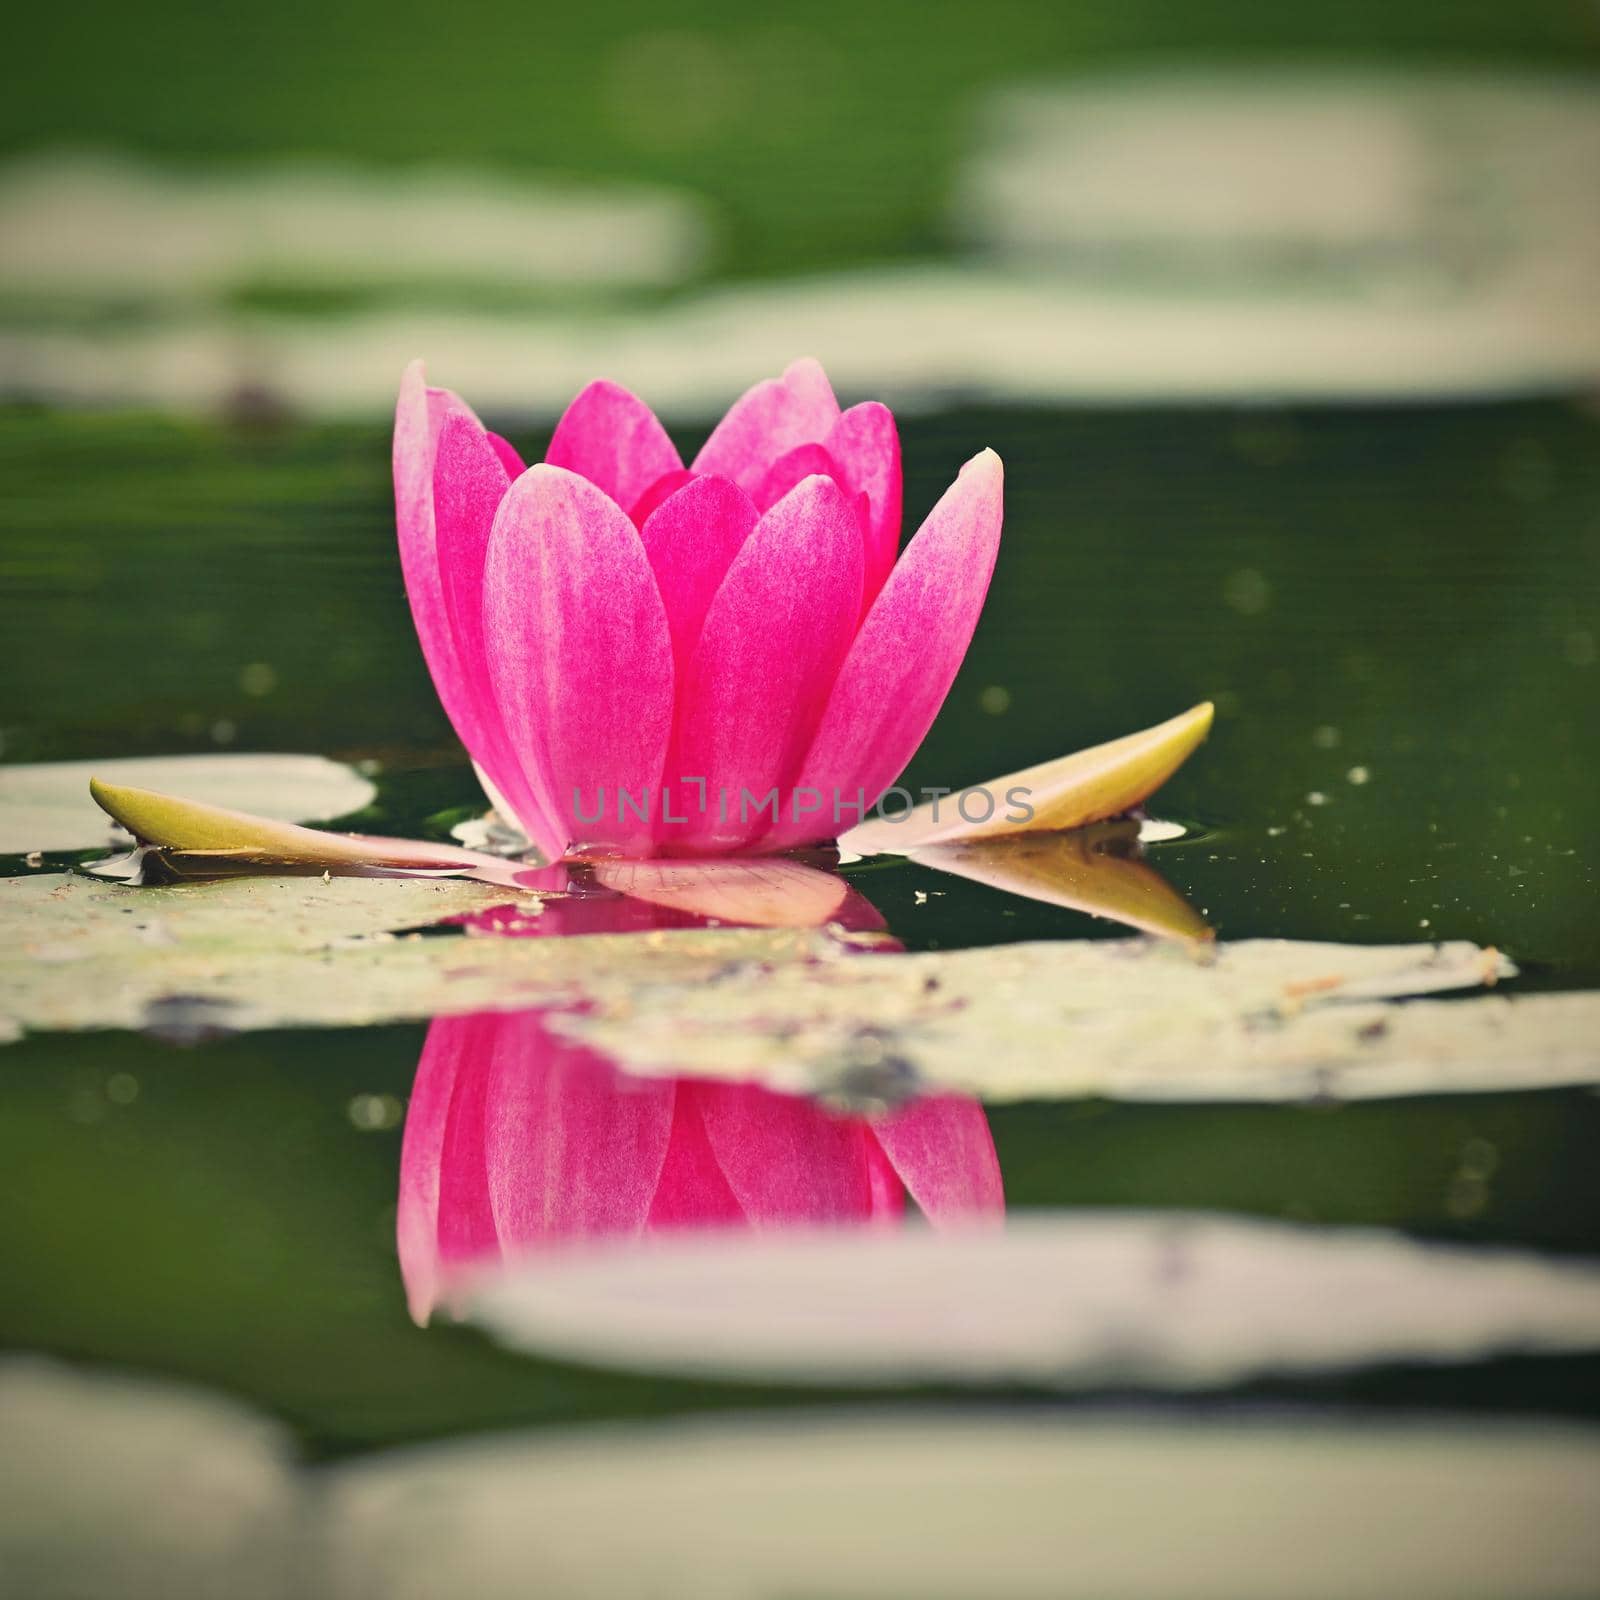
[[518, 1140]]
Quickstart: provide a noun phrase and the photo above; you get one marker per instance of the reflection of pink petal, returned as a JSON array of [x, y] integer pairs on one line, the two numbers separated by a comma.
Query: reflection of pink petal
[[773, 640], [612, 438], [786, 1160], [692, 1192], [768, 892], [453, 1044], [942, 1149], [767, 420], [888, 1193], [572, 1147], [586, 689]]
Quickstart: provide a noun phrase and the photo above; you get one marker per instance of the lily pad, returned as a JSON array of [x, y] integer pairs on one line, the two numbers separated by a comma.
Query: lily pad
[[932, 1501], [269, 952], [1167, 1301], [1260, 1019], [47, 806]]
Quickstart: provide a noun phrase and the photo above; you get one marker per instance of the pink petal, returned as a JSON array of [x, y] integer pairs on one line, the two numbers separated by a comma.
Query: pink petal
[[419, 415], [786, 1160], [804, 461], [772, 643], [866, 445], [692, 1192], [691, 540], [579, 650], [573, 1149], [659, 492], [469, 484], [766, 421], [910, 646], [944, 1153], [452, 1043], [613, 439], [510, 458]]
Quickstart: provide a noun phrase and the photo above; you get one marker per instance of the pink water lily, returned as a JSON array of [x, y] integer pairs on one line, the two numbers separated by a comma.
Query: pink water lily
[[517, 1139], [628, 647]]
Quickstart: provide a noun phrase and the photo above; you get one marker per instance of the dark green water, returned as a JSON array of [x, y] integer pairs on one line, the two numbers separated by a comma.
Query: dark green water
[[1397, 611]]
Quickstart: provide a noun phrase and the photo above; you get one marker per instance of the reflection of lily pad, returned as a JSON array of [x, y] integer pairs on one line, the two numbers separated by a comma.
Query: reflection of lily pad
[[47, 806], [1102, 1301]]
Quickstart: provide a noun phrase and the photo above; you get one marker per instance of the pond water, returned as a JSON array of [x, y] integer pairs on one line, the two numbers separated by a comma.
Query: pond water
[[1396, 612]]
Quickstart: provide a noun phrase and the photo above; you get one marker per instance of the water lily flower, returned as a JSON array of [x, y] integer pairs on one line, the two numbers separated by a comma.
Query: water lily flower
[[658, 659], [517, 1139]]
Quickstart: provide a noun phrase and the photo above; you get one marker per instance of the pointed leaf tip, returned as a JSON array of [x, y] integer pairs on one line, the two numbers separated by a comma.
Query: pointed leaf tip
[[1072, 791]]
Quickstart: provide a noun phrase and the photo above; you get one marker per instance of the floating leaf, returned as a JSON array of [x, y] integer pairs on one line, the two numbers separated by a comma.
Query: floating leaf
[[1069, 792], [1259, 1019], [206, 836], [1096, 870], [1078, 1301], [47, 806], [76, 952]]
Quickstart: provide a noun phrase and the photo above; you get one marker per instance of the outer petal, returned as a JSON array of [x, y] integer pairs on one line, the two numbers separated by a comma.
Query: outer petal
[[613, 439], [573, 1149], [944, 1153], [579, 650], [452, 1043], [766, 421], [910, 646], [470, 481], [691, 540], [772, 643], [419, 415], [786, 1160], [866, 445]]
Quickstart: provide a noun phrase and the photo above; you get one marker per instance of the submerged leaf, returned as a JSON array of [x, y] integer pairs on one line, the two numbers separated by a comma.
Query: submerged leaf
[[197, 836], [1069, 792]]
